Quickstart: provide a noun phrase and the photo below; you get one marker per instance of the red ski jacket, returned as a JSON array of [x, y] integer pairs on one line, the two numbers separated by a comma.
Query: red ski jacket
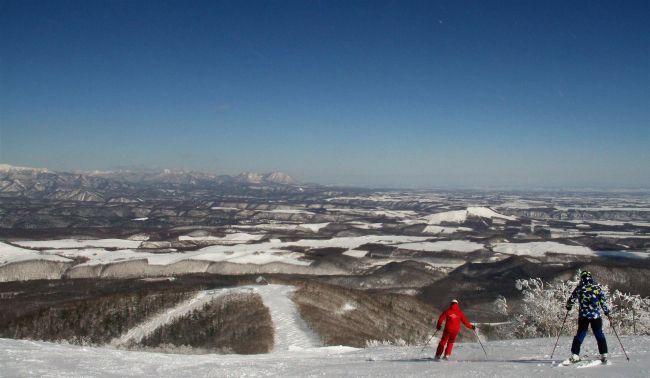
[[452, 318]]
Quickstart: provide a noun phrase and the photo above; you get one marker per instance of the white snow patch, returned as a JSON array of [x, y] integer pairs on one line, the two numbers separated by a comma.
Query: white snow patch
[[460, 216], [539, 249], [225, 208], [235, 238], [80, 243], [376, 213], [618, 235], [260, 254], [443, 245], [443, 230], [285, 211], [10, 254], [313, 227], [354, 242], [139, 237], [366, 226], [99, 256], [355, 253], [347, 307]]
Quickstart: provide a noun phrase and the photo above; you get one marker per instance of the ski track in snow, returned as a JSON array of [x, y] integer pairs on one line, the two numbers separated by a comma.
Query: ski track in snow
[[508, 358], [291, 332], [137, 333]]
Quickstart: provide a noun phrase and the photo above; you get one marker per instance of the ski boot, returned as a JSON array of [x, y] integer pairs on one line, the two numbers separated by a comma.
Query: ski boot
[[574, 358], [603, 358]]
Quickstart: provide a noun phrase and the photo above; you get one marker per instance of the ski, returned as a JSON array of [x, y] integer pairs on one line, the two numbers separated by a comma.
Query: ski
[[584, 363]]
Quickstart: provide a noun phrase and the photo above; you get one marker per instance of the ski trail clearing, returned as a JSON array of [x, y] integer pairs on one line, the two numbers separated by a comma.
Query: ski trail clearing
[[291, 332], [137, 333]]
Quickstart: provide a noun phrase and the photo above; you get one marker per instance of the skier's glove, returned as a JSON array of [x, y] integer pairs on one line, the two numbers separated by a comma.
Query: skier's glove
[[473, 328], [438, 328], [569, 307], [606, 312]]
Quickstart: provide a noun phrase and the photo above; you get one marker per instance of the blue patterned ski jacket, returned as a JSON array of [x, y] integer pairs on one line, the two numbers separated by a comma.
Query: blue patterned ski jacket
[[590, 297]]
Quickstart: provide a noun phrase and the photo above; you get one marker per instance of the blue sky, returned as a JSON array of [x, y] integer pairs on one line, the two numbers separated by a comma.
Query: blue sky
[[378, 93]]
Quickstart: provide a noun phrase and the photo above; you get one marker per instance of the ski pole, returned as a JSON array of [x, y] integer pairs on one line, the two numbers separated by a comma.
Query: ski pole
[[619, 339], [428, 341], [560, 333], [480, 343]]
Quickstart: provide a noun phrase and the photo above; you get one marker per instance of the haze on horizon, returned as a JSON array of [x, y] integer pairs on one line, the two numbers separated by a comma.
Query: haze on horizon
[[381, 93]]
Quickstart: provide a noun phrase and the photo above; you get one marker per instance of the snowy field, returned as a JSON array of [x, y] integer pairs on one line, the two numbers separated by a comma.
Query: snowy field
[[520, 358]]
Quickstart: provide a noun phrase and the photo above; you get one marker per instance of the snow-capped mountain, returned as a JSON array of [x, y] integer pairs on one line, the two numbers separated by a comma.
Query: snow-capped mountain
[[6, 168], [280, 178], [103, 185]]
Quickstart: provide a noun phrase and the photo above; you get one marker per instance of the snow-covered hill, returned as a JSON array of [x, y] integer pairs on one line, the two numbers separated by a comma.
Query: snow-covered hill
[[520, 358], [460, 216]]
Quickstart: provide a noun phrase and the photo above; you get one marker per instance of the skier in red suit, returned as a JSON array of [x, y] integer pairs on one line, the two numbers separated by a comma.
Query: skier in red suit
[[452, 317]]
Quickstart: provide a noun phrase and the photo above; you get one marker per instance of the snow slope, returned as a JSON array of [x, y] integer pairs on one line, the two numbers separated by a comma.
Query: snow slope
[[512, 358], [291, 332]]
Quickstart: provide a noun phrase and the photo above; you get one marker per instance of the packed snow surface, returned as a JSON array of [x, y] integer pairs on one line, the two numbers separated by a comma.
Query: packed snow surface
[[291, 332], [510, 358]]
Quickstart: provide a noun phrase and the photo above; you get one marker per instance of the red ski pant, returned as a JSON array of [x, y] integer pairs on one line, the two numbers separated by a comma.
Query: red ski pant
[[448, 339]]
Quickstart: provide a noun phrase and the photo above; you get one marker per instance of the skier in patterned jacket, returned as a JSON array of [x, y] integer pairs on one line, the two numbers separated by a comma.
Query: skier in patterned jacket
[[590, 297]]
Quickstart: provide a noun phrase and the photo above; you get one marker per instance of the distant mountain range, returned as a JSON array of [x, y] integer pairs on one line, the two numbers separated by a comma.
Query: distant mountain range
[[102, 185]]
